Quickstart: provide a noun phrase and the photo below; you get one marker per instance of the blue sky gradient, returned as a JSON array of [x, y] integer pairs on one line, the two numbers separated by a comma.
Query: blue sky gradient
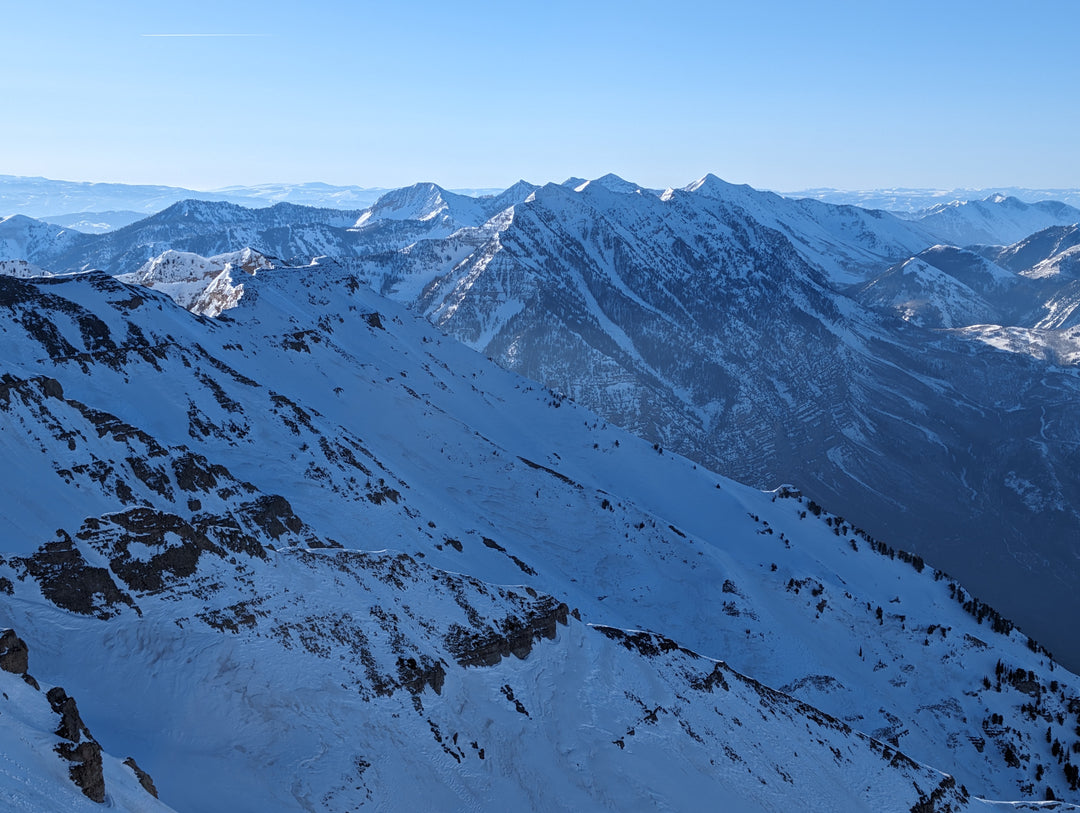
[[780, 95]]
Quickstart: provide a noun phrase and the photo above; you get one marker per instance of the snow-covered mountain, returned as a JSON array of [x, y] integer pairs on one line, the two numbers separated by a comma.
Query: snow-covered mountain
[[712, 321], [1028, 289], [51, 760], [316, 556], [945, 287], [22, 269], [203, 285], [1048, 253], [691, 320], [996, 220], [286, 231], [923, 294], [23, 238], [425, 211], [845, 241]]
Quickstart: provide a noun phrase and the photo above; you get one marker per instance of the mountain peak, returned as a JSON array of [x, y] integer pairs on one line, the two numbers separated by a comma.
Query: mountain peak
[[612, 183], [1005, 200], [199, 210], [713, 186], [511, 196], [421, 201]]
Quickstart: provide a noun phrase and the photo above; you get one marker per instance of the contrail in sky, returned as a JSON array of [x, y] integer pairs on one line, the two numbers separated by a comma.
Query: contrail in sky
[[204, 35]]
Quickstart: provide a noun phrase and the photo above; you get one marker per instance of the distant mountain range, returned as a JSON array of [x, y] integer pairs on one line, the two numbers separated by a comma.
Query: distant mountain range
[[915, 200], [67, 202], [98, 207]]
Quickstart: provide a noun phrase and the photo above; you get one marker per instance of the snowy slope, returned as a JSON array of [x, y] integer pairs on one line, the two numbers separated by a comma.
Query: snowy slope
[[709, 321], [21, 269], [1048, 265], [923, 294], [1034, 283], [945, 287], [471, 642], [996, 220], [1047, 253], [424, 211], [45, 749]]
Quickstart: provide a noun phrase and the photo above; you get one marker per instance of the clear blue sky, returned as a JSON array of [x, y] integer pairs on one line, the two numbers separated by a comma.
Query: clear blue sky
[[780, 95]]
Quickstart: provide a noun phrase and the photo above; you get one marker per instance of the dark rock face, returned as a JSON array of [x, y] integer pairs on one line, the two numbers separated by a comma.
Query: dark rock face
[[177, 546], [194, 473], [14, 654], [416, 674], [71, 724], [516, 636], [144, 778], [87, 771], [274, 515], [69, 582], [80, 748]]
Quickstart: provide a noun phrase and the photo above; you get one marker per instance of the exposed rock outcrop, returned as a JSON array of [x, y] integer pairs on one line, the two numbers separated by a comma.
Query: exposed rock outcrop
[[80, 748], [68, 580], [515, 637], [415, 674], [144, 778], [14, 654]]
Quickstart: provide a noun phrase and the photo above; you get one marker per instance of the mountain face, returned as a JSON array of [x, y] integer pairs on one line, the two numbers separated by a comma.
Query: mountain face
[[1030, 284], [996, 220], [1048, 253], [846, 242], [690, 321], [22, 238], [926, 402], [315, 555], [21, 269]]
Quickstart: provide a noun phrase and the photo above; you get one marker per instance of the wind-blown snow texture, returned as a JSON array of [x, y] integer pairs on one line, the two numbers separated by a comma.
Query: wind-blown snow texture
[[314, 555]]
